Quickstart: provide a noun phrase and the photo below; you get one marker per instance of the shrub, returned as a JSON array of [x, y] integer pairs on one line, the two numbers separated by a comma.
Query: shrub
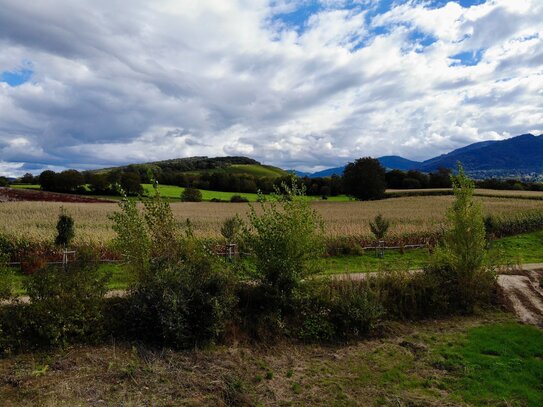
[[286, 240], [191, 195], [65, 229], [182, 304], [65, 304], [407, 295], [6, 280], [238, 198], [328, 310]]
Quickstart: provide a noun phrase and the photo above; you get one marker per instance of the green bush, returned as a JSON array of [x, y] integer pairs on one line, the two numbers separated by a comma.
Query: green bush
[[407, 295], [285, 237], [336, 310], [182, 304], [66, 305], [191, 195], [6, 280], [238, 198]]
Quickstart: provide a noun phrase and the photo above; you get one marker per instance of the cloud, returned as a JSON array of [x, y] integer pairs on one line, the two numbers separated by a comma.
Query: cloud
[[292, 83]]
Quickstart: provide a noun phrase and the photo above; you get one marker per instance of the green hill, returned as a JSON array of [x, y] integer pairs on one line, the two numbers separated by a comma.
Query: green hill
[[200, 165]]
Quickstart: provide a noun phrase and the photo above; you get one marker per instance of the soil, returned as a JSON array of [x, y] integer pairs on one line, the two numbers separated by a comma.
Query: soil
[[523, 295], [17, 195]]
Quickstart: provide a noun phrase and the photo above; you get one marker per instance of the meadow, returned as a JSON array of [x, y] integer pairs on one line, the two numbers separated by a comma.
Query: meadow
[[408, 216]]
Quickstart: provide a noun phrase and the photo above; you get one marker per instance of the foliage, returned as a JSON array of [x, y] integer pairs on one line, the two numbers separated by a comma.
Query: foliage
[[182, 304], [65, 229], [285, 237], [161, 227], [379, 227], [191, 195], [6, 280], [132, 240], [336, 310], [65, 304], [231, 229], [460, 262], [238, 198], [364, 179]]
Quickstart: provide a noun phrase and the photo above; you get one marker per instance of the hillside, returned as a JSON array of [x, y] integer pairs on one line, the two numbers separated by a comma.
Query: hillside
[[199, 165], [520, 155]]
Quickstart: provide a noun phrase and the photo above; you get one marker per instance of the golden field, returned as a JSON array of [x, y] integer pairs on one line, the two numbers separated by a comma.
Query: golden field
[[36, 220]]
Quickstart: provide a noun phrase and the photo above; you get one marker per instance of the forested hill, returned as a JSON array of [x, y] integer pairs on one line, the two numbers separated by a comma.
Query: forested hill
[[188, 164]]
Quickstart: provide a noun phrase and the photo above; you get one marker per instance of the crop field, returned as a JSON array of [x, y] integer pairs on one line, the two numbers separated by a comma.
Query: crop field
[[409, 215]]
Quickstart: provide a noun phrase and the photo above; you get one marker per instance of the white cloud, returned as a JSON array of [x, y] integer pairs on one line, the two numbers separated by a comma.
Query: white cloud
[[114, 83]]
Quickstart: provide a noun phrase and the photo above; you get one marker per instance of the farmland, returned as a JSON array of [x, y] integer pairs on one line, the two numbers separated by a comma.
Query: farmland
[[409, 215]]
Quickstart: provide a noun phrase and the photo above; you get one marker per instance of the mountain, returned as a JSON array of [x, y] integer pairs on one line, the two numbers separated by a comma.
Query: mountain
[[520, 156], [390, 162], [395, 162], [517, 156], [328, 172]]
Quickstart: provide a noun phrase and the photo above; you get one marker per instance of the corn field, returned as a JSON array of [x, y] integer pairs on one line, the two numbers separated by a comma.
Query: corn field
[[408, 216]]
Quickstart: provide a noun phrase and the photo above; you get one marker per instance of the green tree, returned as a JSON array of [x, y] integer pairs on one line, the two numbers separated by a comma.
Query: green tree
[[379, 227], [65, 229], [364, 179], [460, 263], [131, 183]]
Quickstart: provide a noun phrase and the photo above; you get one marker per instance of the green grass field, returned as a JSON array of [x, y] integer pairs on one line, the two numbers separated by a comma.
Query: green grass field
[[173, 193]]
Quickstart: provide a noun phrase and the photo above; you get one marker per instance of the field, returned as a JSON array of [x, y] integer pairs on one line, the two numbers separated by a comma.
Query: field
[[409, 215], [447, 362]]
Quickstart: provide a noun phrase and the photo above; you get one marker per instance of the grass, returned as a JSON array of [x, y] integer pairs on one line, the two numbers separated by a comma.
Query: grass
[[525, 248], [483, 360], [496, 363]]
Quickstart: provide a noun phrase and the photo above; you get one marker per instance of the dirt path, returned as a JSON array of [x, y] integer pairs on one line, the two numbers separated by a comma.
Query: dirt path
[[523, 295]]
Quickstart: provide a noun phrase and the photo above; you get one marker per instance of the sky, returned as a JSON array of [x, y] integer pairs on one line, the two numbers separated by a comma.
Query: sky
[[293, 83]]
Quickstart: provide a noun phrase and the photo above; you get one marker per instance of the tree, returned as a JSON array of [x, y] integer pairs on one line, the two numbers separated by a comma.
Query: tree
[[48, 180], [131, 183], [461, 261], [191, 195], [379, 227], [364, 179], [28, 178], [65, 229], [69, 180], [4, 182]]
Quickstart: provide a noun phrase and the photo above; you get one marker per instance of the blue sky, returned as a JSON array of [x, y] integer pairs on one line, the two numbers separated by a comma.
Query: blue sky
[[294, 83]]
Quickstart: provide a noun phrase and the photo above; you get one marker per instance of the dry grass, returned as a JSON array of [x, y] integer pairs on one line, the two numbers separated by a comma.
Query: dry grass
[[397, 369], [36, 220]]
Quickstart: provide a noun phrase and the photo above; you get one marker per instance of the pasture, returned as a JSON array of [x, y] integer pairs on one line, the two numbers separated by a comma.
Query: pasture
[[408, 216]]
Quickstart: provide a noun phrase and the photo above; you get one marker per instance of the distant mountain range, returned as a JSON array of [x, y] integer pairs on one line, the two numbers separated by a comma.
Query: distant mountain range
[[520, 156]]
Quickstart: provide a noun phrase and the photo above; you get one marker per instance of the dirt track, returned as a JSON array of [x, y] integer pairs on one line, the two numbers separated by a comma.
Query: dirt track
[[523, 295]]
